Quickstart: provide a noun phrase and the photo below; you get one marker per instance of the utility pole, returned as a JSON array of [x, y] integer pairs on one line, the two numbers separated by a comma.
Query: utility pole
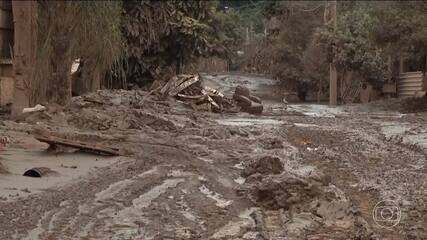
[[332, 67]]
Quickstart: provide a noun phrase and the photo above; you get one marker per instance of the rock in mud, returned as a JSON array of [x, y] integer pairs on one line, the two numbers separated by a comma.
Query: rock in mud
[[249, 103], [264, 165], [242, 91], [283, 191]]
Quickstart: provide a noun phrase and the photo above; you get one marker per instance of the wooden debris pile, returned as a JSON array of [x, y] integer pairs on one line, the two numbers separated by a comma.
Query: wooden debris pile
[[189, 89]]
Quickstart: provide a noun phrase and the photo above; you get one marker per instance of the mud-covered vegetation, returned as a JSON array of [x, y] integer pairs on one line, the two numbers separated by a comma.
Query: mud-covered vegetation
[[132, 43], [125, 42], [301, 39], [69, 30], [164, 36], [127, 134]]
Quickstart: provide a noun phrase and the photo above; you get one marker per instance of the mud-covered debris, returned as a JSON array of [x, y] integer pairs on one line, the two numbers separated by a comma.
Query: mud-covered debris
[[4, 141], [40, 172], [282, 191], [83, 146], [178, 83], [255, 99], [242, 91], [290, 97], [242, 101], [264, 165], [95, 119], [255, 108], [305, 203], [37, 108], [248, 103], [189, 88], [155, 121], [272, 143], [3, 169]]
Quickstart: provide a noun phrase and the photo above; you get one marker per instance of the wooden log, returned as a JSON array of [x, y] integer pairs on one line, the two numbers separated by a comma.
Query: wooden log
[[83, 146]]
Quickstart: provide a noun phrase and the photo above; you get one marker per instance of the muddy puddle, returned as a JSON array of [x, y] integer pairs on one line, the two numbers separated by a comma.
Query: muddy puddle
[[410, 133], [320, 110], [241, 121], [66, 167], [316, 110]]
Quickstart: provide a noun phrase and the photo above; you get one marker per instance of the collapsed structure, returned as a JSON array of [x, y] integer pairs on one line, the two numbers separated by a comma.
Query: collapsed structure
[[190, 89]]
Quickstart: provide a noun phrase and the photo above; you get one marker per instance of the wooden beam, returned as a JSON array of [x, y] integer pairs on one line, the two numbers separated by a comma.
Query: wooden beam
[[83, 146]]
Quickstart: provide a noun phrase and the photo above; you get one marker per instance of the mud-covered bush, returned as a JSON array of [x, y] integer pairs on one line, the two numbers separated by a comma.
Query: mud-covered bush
[[69, 30], [283, 53], [167, 35], [351, 46]]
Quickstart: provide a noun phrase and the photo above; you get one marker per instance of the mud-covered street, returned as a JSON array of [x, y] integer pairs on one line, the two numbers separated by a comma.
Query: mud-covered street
[[298, 171]]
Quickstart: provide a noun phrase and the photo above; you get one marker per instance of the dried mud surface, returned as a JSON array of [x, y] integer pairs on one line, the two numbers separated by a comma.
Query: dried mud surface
[[290, 173]]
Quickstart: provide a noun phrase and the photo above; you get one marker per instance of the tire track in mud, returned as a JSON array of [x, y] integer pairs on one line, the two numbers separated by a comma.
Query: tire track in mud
[[193, 188], [116, 209]]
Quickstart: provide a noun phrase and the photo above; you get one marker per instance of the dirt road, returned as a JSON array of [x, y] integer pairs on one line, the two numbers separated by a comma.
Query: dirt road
[[296, 172]]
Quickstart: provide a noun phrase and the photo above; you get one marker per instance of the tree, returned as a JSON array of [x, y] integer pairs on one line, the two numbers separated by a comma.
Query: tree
[[68, 30], [25, 31], [170, 34], [367, 34], [283, 53], [352, 45]]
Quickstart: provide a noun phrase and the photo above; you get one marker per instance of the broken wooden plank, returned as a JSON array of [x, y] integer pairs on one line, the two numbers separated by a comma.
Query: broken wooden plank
[[185, 84], [83, 146]]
